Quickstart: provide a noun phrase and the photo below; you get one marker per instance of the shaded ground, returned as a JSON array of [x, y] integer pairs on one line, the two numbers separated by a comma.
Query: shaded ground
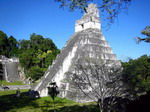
[[45, 104]]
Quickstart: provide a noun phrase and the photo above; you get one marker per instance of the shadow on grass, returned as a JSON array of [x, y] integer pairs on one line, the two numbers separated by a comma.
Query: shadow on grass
[[8, 102], [74, 108], [52, 106], [77, 108]]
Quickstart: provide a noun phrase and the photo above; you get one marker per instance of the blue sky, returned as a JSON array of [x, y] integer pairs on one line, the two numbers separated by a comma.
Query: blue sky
[[20, 18]]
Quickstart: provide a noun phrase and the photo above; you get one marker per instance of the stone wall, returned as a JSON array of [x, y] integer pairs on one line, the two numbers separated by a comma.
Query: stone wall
[[12, 71], [9, 68]]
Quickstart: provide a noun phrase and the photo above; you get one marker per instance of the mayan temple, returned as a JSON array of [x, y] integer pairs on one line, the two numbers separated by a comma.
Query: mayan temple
[[87, 42], [9, 68]]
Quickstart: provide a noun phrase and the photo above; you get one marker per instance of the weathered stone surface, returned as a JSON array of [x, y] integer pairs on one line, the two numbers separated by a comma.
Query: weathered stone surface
[[89, 42], [89, 20], [9, 68]]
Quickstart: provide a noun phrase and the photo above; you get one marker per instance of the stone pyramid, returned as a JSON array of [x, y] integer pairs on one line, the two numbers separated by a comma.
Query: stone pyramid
[[87, 41]]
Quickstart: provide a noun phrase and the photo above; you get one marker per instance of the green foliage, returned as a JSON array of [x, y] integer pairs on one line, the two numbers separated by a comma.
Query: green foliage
[[11, 83], [35, 72], [8, 46], [49, 59], [24, 44], [25, 59], [10, 92], [137, 74], [13, 46], [35, 55], [3, 44], [145, 32]]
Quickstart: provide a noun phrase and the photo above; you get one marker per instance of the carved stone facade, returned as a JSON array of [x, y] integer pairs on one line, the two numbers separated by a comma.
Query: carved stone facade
[[89, 20], [87, 42]]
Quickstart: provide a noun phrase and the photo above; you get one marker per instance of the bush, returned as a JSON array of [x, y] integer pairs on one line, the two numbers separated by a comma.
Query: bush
[[35, 72]]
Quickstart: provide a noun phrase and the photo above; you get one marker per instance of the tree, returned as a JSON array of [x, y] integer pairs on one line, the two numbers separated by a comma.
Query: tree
[[145, 32], [136, 74], [99, 80], [36, 41], [36, 54], [24, 44], [35, 72], [8, 46], [111, 7], [13, 46], [49, 58], [3, 44], [25, 59]]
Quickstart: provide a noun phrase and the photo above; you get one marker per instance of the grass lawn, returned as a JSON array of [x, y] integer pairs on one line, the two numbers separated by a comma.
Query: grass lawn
[[11, 83], [44, 104]]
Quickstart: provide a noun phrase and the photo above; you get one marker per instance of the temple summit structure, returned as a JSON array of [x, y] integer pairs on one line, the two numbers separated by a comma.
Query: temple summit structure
[[87, 42]]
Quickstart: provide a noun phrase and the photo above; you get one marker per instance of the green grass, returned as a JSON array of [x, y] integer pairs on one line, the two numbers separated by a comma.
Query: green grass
[[11, 83], [10, 92], [44, 104]]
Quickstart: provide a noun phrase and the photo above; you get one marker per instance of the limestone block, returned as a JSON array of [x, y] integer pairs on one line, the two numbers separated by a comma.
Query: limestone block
[[44, 92], [78, 28], [97, 25], [89, 25], [102, 37], [89, 20]]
